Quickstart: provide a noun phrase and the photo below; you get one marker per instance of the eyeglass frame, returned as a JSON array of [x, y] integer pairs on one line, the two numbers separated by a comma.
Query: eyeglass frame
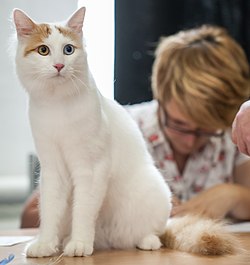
[[198, 133]]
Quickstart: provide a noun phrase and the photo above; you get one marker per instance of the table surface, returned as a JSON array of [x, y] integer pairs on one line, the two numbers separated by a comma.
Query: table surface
[[125, 257]]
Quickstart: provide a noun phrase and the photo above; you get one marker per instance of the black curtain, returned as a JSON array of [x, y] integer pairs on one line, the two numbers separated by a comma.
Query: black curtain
[[140, 23]]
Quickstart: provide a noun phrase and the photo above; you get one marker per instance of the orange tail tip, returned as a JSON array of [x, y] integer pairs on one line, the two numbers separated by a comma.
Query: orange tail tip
[[202, 236]]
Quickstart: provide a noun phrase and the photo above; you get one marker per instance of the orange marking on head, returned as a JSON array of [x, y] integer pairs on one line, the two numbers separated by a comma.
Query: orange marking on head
[[70, 34], [36, 38]]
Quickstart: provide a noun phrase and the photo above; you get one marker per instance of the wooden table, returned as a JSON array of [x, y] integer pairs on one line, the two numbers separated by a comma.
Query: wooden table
[[128, 257]]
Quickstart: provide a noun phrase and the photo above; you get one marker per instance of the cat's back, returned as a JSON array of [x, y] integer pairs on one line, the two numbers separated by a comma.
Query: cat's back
[[120, 120], [127, 142]]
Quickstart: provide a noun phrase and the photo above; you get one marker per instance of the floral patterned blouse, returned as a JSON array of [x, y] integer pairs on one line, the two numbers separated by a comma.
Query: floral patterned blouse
[[214, 164]]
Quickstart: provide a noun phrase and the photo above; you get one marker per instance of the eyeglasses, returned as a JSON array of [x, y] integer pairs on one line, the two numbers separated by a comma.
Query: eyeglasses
[[170, 123]]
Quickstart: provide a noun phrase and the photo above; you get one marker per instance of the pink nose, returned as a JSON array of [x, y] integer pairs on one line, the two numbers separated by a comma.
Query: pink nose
[[59, 66]]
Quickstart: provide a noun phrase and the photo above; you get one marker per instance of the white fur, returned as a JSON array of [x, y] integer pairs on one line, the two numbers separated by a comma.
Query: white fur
[[99, 186]]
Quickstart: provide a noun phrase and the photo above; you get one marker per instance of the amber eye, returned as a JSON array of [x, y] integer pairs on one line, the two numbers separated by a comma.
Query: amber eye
[[43, 50], [68, 49]]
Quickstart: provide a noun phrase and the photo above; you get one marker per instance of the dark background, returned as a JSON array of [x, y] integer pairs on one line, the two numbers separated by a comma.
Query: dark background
[[140, 23]]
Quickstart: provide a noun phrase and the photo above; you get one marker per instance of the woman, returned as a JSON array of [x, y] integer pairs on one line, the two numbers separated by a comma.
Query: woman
[[200, 78]]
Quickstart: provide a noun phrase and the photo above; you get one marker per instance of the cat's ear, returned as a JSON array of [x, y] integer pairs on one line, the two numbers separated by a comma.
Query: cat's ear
[[75, 22], [24, 24]]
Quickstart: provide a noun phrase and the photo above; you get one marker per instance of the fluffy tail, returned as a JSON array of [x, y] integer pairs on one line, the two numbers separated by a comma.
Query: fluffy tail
[[198, 235]]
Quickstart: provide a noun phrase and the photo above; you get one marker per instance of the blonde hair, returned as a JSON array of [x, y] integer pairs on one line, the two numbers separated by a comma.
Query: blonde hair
[[205, 71]]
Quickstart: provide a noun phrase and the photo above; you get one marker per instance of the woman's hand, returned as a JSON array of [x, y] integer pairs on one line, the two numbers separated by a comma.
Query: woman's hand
[[241, 128], [216, 202]]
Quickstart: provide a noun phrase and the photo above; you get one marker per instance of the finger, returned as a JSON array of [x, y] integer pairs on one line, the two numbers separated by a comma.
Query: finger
[[175, 211], [178, 211], [242, 146], [234, 132], [214, 215], [175, 201], [247, 144], [239, 139]]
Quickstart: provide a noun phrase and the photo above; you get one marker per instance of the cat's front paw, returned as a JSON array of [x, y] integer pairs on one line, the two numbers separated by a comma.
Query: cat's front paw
[[38, 248], [78, 248]]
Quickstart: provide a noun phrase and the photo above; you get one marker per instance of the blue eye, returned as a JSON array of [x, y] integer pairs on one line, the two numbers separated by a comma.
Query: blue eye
[[68, 49]]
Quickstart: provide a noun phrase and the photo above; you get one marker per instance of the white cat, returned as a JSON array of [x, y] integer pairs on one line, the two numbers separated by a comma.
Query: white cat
[[99, 186]]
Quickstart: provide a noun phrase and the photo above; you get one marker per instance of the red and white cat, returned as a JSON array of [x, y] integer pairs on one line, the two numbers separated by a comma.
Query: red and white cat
[[99, 186]]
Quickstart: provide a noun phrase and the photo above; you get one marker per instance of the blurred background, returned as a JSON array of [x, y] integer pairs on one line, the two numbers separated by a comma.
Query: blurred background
[[121, 37], [140, 23]]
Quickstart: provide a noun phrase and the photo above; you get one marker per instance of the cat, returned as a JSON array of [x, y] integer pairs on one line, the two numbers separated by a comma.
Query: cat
[[99, 186]]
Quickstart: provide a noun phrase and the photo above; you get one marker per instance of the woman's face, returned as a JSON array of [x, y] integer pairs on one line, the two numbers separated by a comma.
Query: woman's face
[[184, 135]]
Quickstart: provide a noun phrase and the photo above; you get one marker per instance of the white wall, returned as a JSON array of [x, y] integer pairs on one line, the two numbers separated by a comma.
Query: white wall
[[99, 34], [15, 136]]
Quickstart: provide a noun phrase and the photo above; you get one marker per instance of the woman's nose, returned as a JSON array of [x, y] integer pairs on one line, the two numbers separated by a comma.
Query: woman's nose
[[190, 139]]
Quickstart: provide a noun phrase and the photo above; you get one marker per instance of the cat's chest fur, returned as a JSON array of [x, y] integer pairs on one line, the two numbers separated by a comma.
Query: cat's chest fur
[[68, 129], [69, 115]]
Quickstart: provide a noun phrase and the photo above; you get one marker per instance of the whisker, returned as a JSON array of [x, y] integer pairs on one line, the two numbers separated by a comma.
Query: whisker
[[77, 90], [81, 81]]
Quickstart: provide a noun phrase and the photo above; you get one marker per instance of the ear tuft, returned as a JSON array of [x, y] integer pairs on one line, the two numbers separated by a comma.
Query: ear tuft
[[75, 22], [24, 24]]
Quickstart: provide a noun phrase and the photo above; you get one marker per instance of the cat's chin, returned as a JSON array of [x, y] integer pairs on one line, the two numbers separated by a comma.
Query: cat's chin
[[60, 78]]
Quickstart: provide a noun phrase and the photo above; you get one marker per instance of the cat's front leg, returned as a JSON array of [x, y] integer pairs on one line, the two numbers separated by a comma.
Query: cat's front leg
[[81, 242], [89, 192], [53, 201], [40, 248]]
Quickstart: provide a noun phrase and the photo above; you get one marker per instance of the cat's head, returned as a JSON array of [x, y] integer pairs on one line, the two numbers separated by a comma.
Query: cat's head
[[49, 55]]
